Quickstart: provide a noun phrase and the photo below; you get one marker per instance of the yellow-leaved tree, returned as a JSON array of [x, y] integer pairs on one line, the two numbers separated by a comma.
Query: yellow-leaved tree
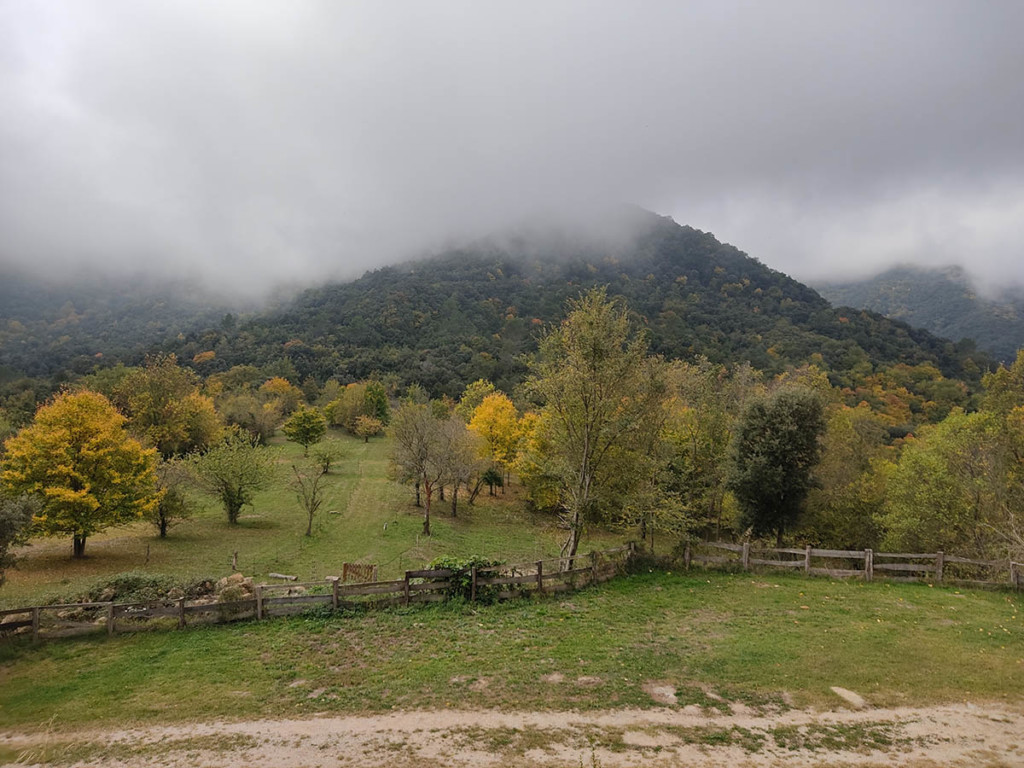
[[496, 421], [82, 464]]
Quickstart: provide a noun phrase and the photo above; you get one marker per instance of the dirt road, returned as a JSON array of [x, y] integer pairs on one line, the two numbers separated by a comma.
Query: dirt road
[[957, 735]]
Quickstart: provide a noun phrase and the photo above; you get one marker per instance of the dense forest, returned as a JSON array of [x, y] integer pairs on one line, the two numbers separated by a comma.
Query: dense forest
[[473, 313], [943, 301]]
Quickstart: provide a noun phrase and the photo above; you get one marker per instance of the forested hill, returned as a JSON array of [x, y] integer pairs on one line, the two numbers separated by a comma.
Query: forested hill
[[472, 313], [944, 301], [55, 329]]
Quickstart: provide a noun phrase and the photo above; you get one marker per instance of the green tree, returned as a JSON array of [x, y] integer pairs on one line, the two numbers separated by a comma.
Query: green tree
[[472, 396], [87, 471], [16, 515], [306, 426], [705, 403], [234, 470], [602, 408], [375, 402], [165, 409], [946, 492], [773, 453], [842, 512]]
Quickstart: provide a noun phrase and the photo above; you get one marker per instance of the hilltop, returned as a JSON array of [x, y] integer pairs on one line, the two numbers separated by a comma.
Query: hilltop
[[945, 301]]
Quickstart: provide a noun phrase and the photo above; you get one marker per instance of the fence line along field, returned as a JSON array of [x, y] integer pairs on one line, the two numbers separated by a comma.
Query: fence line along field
[[500, 582], [367, 517], [867, 564]]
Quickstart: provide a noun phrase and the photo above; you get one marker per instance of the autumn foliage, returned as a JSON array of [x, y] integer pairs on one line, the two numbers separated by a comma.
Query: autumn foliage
[[87, 470]]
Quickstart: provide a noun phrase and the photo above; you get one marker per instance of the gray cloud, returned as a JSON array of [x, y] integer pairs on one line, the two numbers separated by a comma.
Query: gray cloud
[[258, 142]]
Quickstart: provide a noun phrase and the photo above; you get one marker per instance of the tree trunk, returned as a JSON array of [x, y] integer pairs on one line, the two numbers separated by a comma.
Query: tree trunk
[[778, 537], [428, 491], [163, 527], [572, 543], [309, 525], [366, 438], [442, 493], [476, 490], [78, 546], [455, 500]]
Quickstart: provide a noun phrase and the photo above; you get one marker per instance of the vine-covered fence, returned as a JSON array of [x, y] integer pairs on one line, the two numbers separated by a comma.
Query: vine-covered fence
[[498, 582], [937, 567]]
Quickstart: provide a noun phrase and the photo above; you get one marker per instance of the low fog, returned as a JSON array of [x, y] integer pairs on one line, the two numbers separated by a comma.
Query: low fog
[[248, 144]]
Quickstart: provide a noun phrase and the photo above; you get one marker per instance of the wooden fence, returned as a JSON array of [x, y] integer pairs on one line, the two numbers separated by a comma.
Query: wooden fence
[[937, 567], [423, 586]]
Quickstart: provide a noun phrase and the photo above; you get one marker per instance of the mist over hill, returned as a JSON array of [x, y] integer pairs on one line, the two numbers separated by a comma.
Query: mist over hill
[[474, 312], [945, 301]]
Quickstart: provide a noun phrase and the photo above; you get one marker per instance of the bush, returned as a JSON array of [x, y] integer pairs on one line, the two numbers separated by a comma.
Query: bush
[[462, 578]]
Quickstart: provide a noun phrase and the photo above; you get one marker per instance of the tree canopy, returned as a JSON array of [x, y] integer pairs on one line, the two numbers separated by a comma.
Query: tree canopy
[[87, 471]]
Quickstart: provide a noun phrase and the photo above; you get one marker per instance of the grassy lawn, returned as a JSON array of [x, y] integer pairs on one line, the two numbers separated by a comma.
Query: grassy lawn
[[761, 640], [367, 518]]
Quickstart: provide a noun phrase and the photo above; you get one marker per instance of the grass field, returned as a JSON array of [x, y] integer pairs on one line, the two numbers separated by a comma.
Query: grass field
[[716, 638], [361, 501]]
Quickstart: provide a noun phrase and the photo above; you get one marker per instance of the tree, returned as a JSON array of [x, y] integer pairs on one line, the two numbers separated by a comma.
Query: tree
[[15, 520], [496, 421], [375, 402], [252, 413], [234, 470], [165, 409], [602, 398], [281, 391], [306, 426], [772, 456], [946, 492], [174, 506], [842, 511], [702, 410], [423, 449], [368, 426], [88, 472], [327, 453], [309, 489], [472, 396]]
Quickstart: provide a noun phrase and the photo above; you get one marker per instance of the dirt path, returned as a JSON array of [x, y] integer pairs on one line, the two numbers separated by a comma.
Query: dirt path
[[956, 735]]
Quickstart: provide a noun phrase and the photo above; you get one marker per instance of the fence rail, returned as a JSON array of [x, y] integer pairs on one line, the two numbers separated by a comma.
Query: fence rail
[[540, 577], [867, 564]]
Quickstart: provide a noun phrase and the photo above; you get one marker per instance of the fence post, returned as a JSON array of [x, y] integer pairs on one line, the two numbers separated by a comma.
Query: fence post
[[746, 555], [807, 559], [35, 625], [472, 586], [869, 565], [181, 613], [940, 562], [593, 567], [334, 594], [110, 619], [259, 601], [405, 588], [540, 575], [687, 556]]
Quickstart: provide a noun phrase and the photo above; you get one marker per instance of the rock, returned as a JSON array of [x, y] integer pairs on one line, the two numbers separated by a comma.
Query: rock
[[854, 700], [235, 578], [175, 593]]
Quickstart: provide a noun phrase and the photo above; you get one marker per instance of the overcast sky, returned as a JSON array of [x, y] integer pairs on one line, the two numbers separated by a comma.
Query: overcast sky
[[253, 142]]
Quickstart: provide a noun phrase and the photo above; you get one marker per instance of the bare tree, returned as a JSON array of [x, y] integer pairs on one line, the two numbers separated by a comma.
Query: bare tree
[[309, 489]]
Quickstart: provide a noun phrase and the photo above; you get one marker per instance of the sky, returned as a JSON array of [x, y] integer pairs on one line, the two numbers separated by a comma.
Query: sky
[[249, 143]]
